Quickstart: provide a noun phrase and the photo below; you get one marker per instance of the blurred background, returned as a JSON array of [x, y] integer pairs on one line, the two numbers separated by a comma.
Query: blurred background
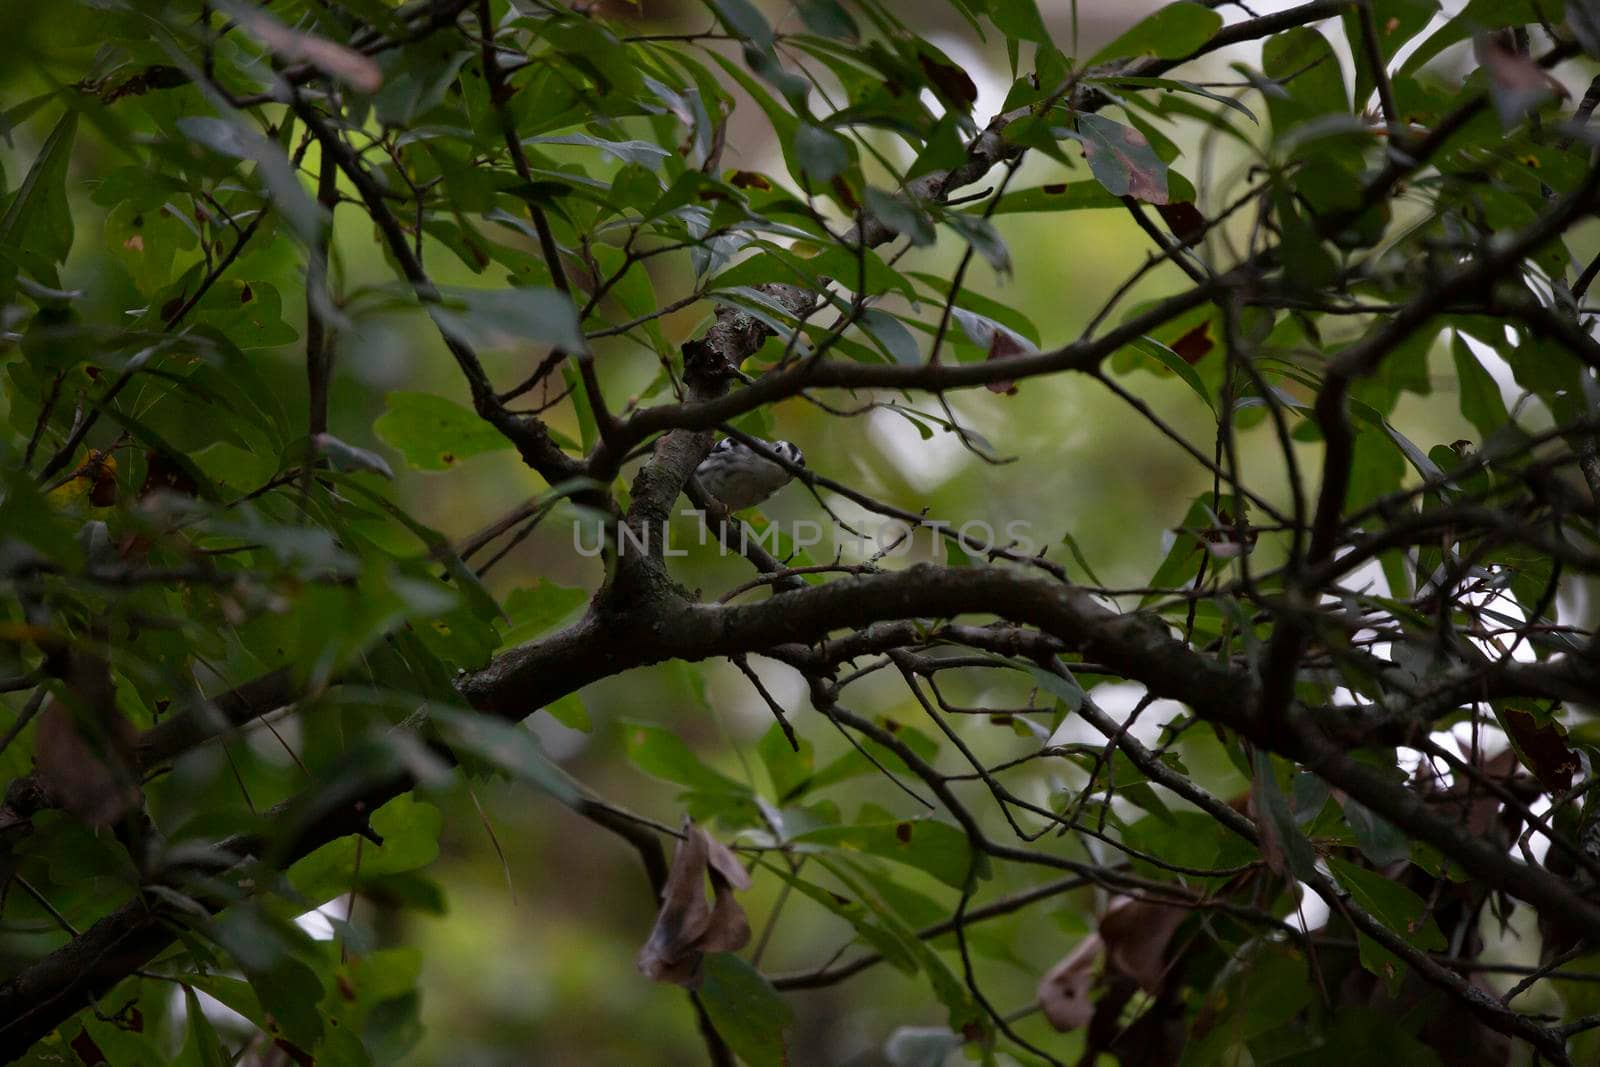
[[531, 961]]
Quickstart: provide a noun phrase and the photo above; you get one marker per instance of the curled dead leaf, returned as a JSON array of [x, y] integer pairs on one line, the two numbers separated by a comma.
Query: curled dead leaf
[[1132, 939], [1064, 990], [1136, 933], [687, 927], [1004, 345]]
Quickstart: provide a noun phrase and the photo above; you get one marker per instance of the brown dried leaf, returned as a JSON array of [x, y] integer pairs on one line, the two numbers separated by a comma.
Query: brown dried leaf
[[1184, 220], [85, 762], [1136, 934], [686, 926], [1132, 939], [1004, 346], [1064, 990], [1195, 344], [1543, 748], [725, 863], [955, 83]]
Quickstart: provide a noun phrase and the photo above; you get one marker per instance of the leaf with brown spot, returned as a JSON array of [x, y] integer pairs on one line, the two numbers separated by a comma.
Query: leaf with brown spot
[[1122, 160], [687, 927], [749, 179]]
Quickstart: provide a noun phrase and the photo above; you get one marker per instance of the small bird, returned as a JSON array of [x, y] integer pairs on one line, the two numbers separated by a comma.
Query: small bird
[[739, 478]]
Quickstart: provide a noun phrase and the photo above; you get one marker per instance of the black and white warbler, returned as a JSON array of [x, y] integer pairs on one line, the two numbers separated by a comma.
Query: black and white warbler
[[739, 478]]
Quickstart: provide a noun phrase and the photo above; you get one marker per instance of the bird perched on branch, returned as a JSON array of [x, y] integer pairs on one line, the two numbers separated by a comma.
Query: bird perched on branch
[[740, 478]]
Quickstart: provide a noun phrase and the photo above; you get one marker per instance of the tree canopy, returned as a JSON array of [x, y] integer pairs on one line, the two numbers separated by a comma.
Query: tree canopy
[[1176, 645]]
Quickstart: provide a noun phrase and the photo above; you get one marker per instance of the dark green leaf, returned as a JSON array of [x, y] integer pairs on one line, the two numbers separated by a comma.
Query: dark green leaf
[[662, 754], [433, 433], [37, 226], [1391, 903], [1173, 32], [1019, 19], [507, 318], [747, 1012], [229, 138]]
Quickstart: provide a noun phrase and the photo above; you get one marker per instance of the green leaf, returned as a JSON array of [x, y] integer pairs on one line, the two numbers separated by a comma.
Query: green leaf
[[506, 745], [902, 216], [1287, 850], [229, 138], [410, 833], [483, 604], [348, 458], [1173, 32], [662, 754], [1396, 22], [744, 19], [963, 1013], [936, 847], [571, 712], [823, 154], [891, 335], [1064, 688], [415, 79], [866, 274], [1159, 352], [984, 238], [828, 18], [37, 226], [208, 1051], [492, 319], [1181, 86], [118, 1044], [1477, 17], [747, 1012], [1481, 402], [433, 433], [1312, 80], [862, 917], [853, 764], [1390, 903], [1379, 839], [1019, 19], [788, 769], [268, 952], [534, 610]]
